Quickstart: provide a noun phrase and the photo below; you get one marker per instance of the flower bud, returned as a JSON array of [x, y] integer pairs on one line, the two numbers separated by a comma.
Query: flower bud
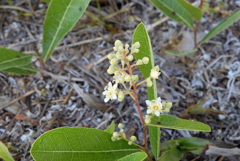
[[164, 104], [118, 55], [113, 138], [115, 48], [130, 57], [127, 78], [130, 143], [154, 74], [110, 70], [120, 48], [115, 134], [168, 104], [149, 83], [120, 95], [147, 120], [145, 60], [116, 73], [156, 68], [114, 61], [133, 138], [136, 45], [139, 62], [135, 51], [126, 48], [135, 78], [111, 56], [167, 107], [121, 80], [118, 43], [121, 131], [120, 126]]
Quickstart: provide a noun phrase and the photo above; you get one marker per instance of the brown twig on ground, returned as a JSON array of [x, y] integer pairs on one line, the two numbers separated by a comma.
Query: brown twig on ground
[[19, 98]]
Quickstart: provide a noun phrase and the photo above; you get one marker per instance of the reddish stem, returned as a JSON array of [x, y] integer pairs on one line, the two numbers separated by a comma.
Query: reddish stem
[[142, 120], [129, 68]]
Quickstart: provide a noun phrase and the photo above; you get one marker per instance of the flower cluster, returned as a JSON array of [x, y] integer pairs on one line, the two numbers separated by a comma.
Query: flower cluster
[[120, 66], [121, 135], [155, 107]]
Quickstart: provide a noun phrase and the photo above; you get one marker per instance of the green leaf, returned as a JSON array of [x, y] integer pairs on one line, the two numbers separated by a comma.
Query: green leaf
[[174, 10], [224, 24], [173, 122], [188, 53], [140, 35], [138, 156], [174, 154], [61, 17], [23, 70], [11, 58], [73, 143], [195, 12], [154, 137], [192, 144], [4, 153], [110, 128], [188, 144]]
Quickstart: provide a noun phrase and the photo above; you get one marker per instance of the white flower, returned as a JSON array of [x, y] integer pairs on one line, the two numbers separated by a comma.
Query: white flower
[[110, 92], [154, 106]]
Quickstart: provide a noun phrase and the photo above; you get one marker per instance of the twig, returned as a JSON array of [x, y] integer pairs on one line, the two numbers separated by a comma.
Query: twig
[[49, 98], [195, 34], [17, 99]]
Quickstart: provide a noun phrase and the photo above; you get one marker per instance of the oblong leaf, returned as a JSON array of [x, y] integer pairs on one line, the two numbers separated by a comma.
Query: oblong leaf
[[138, 156], [61, 17], [4, 153], [11, 58], [77, 143], [195, 12], [173, 122], [188, 144], [224, 24], [23, 70], [140, 35], [188, 53], [174, 10]]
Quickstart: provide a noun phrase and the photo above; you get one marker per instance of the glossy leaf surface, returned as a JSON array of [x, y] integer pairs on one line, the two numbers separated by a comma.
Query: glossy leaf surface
[[61, 17], [15, 62], [138, 156], [72, 143], [175, 11], [173, 122], [195, 12]]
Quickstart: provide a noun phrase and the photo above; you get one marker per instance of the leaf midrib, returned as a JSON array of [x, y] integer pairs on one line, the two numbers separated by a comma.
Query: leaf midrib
[[178, 15], [15, 59], [58, 29], [105, 151]]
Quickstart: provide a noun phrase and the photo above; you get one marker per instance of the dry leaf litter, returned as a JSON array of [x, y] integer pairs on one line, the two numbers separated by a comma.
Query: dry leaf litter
[[69, 90]]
